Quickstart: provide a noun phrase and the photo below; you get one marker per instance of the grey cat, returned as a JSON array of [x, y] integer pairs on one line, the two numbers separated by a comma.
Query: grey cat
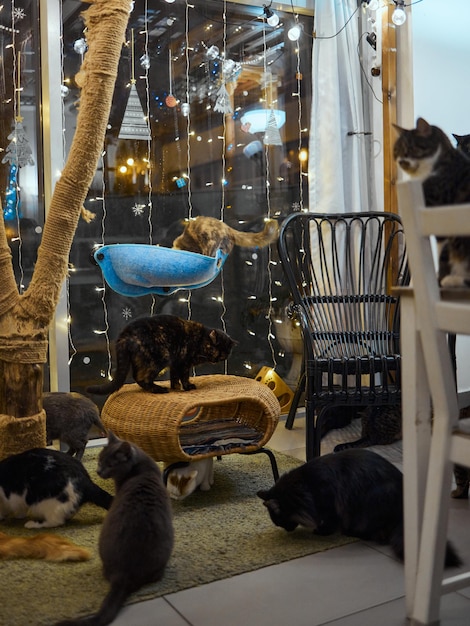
[[69, 417], [136, 540]]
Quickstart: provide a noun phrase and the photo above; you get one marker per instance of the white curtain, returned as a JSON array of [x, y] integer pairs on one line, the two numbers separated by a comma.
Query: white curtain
[[339, 164]]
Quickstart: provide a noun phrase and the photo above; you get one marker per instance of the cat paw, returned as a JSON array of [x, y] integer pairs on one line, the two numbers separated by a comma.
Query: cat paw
[[451, 280], [189, 386], [34, 524]]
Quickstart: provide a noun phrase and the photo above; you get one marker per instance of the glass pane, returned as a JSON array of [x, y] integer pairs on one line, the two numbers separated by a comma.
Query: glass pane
[[198, 79], [20, 139]]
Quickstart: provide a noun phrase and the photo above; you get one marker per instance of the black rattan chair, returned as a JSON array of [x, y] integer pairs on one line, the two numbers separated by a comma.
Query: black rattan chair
[[340, 270]]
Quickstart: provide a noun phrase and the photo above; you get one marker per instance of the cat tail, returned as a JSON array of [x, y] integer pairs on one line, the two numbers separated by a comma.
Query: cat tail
[[110, 607], [94, 494], [452, 558], [123, 359], [268, 235]]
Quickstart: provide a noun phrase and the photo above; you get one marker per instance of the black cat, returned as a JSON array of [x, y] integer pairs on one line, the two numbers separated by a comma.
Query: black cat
[[355, 492], [69, 417], [47, 486], [426, 153], [136, 540], [151, 344], [463, 143]]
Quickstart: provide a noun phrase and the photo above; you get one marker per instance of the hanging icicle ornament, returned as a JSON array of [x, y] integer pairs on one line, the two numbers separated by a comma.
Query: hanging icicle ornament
[[18, 151], [272, 136], [223, 104], [134, 123]]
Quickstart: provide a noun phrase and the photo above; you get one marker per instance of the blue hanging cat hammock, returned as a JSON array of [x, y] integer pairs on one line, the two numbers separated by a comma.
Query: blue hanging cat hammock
[[134, 269]]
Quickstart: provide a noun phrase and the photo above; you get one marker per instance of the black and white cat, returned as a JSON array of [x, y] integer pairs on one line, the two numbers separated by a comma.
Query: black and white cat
[[183, 478], [69, 418], [355, 492], [149, 345], [136, 540], [426, 153], [47, 486]]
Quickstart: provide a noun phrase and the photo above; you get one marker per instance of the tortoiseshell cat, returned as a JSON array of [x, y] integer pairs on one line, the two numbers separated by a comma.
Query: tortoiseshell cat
[[206, 235], [426, 153], [356, 492], [150, 344], [380, 426], [136, 539]]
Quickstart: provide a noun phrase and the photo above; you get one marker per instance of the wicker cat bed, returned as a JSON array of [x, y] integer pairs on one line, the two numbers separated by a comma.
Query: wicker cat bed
[[223, 415]]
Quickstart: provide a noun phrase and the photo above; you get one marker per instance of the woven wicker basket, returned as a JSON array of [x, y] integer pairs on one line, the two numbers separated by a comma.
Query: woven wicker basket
[[223, 415]]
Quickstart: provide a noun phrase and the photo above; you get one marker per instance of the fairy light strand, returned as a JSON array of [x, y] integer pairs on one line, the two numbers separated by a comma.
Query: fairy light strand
[[72, 349], [299, 125], [268, 102], [188, 135], [224, 173], [149, 164]]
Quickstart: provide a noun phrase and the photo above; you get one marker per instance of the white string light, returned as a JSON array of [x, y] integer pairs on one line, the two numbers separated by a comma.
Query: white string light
[[269, 102]]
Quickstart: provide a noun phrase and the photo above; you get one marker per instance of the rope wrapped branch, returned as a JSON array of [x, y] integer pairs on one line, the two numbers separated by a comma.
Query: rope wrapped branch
[[25, 319]]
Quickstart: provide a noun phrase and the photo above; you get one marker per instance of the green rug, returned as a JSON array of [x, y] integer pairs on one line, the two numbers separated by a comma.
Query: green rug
[[218, 534]]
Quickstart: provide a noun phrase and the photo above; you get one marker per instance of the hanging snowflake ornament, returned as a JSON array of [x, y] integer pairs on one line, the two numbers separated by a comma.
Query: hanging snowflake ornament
[[223, 104], [18, 14], [138, 209], [126, 313]]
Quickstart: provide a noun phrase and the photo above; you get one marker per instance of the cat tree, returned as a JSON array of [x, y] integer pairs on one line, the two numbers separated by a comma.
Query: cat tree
[[25, 318]]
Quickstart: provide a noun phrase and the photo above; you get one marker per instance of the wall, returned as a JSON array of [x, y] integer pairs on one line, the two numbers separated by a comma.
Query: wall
[[441, 49]]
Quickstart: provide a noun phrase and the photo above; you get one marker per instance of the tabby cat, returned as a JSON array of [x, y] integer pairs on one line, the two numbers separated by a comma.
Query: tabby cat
[[69, 417], [151, 344], [355, 492], [136, 539], [47, 486], [43, 546], [206, 235], [380, 426], [183, 478], [426, 153]]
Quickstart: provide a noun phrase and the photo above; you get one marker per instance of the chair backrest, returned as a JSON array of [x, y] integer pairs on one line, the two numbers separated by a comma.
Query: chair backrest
[[341, 269], [437, 315]]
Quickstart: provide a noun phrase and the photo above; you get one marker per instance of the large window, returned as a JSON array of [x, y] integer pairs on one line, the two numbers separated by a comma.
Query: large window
[[185, 139]]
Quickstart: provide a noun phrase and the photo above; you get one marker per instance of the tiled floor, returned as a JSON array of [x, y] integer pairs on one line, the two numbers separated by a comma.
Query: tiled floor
[[359, 584]]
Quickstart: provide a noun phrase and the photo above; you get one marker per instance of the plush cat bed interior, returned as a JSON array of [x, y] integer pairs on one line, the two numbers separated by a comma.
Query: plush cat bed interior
[[223, 415]]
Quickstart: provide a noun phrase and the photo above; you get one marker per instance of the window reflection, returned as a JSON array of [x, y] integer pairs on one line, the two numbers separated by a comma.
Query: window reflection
[[198, 77]]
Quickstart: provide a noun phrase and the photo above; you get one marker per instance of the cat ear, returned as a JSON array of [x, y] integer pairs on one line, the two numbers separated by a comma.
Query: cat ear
[[399, 128], [423, 127], [263, 494], [457, 137], [213, 336], [112, 437]]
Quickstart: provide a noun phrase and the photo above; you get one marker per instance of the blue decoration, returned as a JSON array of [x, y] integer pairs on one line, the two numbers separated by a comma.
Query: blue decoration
[[11, 210], [134, 269]]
